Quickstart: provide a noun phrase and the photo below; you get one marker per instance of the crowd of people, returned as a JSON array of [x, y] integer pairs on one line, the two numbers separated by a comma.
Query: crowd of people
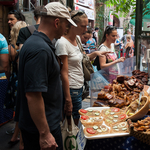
[[50, 74]]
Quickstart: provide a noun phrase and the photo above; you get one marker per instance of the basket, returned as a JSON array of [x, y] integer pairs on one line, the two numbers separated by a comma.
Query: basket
[[142, 136]]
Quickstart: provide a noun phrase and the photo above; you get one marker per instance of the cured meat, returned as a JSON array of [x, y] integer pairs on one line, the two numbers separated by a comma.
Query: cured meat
[[104, 96]]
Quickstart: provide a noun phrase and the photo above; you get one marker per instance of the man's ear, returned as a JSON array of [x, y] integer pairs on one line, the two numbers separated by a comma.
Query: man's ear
[[57, 22]]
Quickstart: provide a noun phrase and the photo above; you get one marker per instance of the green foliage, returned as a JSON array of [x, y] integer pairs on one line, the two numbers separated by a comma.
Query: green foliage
[[99, 22], [122, 6], [125, 6]]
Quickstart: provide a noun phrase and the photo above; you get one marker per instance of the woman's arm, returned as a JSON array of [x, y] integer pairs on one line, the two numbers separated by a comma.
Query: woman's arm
[[103, 63], [97, 53], [65, 84]]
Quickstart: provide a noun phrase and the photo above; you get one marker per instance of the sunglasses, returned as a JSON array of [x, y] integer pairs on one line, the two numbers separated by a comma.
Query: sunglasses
[[14, 12], [111, 28], [79, 13]]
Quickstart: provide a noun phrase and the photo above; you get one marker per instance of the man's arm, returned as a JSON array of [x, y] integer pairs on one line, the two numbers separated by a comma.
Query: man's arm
[[37, 112]]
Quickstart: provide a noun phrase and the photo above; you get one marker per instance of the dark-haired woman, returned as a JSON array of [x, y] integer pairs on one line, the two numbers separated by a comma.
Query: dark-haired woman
[[14, 16], [107, 44], [109, 37]]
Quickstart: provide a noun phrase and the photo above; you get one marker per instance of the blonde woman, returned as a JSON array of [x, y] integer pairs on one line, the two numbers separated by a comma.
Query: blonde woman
[[13, 52], [129, 53], [72, 73]]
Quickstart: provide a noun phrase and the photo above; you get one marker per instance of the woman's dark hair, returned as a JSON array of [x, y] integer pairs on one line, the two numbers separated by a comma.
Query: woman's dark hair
[[108, 30], [17, 14]]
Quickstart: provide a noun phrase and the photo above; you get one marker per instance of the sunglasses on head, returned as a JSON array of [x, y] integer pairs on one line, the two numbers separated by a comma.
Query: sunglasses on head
[[79, 13], [111, 28]]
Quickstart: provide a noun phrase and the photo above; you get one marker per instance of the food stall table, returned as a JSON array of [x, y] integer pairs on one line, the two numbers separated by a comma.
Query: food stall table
[[117, 143], [5, 114]]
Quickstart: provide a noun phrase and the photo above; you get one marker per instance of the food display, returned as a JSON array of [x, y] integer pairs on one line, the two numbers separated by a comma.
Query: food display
[[96, 130], [86, 120], [122, 92], [90, 112], [136, 106], [99, 126], [120, 127], [142, 126], [140, 129], [141, 76], [138, 109]]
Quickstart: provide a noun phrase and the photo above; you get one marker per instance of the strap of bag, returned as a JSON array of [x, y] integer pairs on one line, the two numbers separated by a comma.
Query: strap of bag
[[31, 29], [79, 44]]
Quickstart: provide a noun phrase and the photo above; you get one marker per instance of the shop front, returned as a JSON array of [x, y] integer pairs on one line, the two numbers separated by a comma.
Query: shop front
[[88, 7]]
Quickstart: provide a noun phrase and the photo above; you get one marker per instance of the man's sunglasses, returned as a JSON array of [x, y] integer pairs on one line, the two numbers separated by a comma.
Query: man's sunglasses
[[79, 13]]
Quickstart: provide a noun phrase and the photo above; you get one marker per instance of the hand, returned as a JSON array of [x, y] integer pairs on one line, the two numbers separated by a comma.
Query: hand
[[47, 142], [122, 59], [68, 108]]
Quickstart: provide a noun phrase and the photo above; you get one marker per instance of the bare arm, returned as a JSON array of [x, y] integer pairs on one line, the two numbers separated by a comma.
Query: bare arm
[[97, 53], [4, 64], [20, 46], [103, 63], [65, 84], [37, 112]]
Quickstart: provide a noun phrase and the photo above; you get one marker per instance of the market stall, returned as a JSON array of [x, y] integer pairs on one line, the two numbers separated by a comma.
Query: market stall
[[115, 98]]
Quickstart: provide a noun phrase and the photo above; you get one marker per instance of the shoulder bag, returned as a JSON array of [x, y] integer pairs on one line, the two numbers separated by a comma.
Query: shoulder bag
[[86, 64]]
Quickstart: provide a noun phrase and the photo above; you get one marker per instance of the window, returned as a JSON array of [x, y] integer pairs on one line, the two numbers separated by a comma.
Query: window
[[29, 5]]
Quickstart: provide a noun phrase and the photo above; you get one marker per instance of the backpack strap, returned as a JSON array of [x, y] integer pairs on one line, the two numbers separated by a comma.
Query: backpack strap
[[31, 28]]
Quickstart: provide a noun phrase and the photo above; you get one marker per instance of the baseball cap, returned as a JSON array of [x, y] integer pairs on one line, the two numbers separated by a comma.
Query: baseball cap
[[56, 9]]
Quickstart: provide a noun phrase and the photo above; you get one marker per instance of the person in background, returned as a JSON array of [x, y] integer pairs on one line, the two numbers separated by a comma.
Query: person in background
[[4, 57], [13, 52], [129, 53], [95, 35], [72, 72], [124, 39], [85, 37], [39, 85], [107, 44], [14, 16], [91, 44], [24, 33], [37, 15], [117, 46]]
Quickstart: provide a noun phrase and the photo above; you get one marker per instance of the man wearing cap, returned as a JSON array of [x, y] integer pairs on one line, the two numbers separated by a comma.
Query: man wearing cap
[[39, 87]]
